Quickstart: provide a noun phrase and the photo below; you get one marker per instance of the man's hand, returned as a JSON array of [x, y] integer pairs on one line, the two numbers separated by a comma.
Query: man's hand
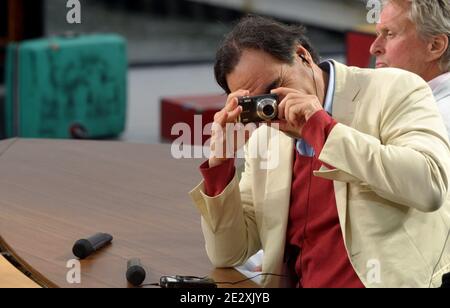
[[221, 148], [295, 109]]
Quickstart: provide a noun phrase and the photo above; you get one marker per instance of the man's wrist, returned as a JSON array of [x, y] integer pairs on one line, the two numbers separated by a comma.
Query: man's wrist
[[216, 178], [215, 162], [311, 114], [317, 129]]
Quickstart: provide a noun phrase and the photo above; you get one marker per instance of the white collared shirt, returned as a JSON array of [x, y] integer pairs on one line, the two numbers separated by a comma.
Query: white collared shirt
[[441, 91], [438, 81], [302, 147]]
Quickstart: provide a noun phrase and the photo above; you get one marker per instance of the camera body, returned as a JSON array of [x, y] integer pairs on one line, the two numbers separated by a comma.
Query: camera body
[[262, 108]]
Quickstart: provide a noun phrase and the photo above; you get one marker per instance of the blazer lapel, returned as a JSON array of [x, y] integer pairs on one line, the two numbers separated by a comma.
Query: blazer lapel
[[276, 202], [345, 100], [346, 94], [279, 175]]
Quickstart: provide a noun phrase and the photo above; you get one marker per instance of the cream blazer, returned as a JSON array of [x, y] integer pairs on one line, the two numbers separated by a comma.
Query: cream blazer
[[391, 159]]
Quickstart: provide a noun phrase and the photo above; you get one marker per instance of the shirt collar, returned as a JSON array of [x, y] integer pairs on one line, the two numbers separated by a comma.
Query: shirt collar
[[328, 66], [302, 147], [438, 81]]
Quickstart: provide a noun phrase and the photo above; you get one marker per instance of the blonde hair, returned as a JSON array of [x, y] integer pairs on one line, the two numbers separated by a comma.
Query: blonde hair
[[431, 17]]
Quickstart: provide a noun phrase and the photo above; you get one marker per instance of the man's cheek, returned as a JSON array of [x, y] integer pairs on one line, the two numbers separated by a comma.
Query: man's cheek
[[394, 57]]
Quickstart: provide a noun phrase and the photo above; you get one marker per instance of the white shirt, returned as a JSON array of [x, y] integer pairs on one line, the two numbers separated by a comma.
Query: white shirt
[[303, 148], [441, 91]]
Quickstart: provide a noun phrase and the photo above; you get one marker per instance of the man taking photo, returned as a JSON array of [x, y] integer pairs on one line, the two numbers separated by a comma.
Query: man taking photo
[[358, 192]]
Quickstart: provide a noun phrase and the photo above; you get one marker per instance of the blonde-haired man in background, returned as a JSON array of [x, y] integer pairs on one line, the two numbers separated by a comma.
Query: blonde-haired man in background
[[414, 35]]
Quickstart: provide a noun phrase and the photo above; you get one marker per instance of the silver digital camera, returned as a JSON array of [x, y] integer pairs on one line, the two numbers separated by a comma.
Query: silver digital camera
[[263, 108]]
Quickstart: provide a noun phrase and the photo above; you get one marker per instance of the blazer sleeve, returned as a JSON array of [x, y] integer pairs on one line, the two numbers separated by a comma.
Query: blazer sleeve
[[228, 221], [409, 163]]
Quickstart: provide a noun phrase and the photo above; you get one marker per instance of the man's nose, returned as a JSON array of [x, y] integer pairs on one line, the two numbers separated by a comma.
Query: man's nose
[[377, 47]]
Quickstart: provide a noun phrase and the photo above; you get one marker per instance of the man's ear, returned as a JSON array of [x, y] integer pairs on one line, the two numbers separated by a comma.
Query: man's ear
[[437, 47], [304, 55]]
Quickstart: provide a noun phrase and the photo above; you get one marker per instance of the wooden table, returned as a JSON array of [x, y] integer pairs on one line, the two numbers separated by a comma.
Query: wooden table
[[55, 192], [11, 277]]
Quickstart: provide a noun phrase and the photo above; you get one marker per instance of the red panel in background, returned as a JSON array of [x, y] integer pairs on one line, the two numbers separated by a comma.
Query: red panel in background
[[184, 109], [358, 49]]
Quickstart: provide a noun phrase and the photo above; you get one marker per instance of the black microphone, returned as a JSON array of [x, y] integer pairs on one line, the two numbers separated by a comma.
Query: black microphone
[[85, 247], [446, 281], [135, 272]]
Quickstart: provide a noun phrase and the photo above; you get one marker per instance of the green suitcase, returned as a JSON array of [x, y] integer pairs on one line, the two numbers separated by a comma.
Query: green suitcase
[[66, 87]]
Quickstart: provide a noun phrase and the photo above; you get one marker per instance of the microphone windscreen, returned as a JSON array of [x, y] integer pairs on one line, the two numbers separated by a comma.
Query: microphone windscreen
[[85, 247], [82, 249], [135, 272]]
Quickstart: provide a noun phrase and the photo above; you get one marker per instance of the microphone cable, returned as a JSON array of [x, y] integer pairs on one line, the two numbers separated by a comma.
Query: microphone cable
[[233, 283], [251, 278]]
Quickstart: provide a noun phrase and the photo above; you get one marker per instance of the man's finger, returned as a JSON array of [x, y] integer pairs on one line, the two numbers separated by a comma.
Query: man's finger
[[292, 119], [233, 115], [222, 118], [231, 105], [282, 125], [281, 108], [218, 116], [287, 114], [285, 91], [232, 101]]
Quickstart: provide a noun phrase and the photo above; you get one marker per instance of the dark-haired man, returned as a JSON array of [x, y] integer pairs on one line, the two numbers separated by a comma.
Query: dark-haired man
[[358, 180]]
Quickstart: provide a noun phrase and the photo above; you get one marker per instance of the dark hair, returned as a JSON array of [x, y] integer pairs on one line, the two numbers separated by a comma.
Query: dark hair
[[260, 33]]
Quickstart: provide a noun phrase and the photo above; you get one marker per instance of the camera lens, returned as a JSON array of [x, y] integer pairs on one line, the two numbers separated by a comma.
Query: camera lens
[[267, 109]]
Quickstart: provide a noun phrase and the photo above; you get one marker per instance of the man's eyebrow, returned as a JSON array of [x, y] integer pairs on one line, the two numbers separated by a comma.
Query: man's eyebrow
[[273, 85], [382, 28]]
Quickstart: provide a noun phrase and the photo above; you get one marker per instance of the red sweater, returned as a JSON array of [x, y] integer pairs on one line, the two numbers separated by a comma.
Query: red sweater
[[313, 226]]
